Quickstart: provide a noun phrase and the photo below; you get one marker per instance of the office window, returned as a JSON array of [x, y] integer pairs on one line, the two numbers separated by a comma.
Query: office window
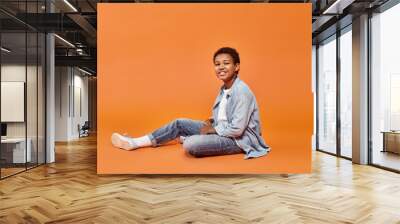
[[314, 91], [385, 88], [327, 95], [346, 92]]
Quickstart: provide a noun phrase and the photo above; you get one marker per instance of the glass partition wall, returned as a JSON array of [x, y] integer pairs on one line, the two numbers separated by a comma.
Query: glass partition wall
[[334, 105], [22, 87]]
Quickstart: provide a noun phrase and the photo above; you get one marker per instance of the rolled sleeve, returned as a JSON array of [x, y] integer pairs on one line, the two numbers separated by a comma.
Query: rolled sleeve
[[219, 129]]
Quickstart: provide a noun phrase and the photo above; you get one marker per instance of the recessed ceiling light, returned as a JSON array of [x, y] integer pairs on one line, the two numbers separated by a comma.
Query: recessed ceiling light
[[5, 50], [70, 5], [84, 71], [64, 40]]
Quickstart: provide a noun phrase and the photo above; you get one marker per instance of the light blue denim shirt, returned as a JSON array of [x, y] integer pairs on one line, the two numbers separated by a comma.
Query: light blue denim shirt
[[243, 120]]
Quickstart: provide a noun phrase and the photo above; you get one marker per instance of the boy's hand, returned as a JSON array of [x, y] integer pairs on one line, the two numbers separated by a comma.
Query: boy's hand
[[209, 121], [207, 129]]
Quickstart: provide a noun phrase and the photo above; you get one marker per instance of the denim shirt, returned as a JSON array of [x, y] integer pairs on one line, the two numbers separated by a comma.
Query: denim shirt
[[243, 120]]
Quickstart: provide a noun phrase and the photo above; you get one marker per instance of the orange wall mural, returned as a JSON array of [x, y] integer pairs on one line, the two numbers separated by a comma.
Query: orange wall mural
[[155, 64]]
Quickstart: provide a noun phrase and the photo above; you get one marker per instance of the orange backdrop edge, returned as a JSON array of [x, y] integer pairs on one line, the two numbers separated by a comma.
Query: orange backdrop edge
[[155, 65]]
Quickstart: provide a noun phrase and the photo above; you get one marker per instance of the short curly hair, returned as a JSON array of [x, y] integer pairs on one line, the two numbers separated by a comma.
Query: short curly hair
[[228, 50]]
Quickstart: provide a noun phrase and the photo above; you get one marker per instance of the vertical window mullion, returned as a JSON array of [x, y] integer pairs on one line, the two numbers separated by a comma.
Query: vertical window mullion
[[369, 90], [37, 90], [26, 86], [316, 96], [338, 91]]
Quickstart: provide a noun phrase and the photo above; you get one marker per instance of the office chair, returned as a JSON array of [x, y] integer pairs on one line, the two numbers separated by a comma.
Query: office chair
[[84, 130]]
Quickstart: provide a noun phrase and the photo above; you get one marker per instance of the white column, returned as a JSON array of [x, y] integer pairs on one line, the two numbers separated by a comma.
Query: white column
[[50, 110], [63, 100], [360, 90], [50, 92]]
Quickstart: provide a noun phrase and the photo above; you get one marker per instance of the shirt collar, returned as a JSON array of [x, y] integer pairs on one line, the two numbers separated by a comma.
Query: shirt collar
[[232, 87]]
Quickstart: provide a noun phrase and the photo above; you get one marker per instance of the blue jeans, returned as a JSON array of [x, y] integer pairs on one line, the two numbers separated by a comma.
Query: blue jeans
[[195, 144]]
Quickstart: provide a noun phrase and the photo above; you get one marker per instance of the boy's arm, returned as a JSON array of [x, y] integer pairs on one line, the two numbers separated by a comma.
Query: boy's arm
[[242, 110]]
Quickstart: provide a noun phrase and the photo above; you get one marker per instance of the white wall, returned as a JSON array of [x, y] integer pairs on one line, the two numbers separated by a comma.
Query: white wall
[[71, 87], [61, 103], [13, 73], [16, 73], [80, 84]]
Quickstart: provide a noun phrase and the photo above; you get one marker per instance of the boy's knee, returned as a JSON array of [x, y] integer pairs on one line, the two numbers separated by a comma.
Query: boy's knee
[[191, 145]]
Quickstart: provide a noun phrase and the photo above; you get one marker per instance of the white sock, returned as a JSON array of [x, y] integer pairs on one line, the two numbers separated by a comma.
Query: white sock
[[143, 141]]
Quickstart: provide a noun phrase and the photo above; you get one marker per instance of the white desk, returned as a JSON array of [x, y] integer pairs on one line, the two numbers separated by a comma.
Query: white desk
[[18, 151]]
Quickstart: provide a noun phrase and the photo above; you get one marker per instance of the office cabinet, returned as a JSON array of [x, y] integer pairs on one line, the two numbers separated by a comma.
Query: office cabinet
[[391, 142]]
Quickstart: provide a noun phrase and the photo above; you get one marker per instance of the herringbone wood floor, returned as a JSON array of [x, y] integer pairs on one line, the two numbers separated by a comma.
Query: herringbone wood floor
[[70, 191]]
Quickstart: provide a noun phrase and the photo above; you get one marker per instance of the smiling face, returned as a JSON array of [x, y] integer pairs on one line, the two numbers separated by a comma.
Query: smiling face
[[225, 68]]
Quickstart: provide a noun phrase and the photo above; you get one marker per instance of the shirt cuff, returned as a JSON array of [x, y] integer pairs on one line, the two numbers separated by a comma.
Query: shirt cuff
[[219, 129]]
